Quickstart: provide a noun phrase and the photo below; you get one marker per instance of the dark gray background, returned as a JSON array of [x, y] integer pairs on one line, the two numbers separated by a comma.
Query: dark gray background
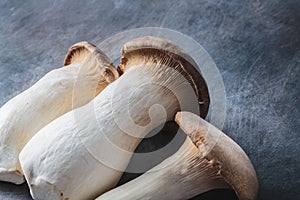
[[255, 44]]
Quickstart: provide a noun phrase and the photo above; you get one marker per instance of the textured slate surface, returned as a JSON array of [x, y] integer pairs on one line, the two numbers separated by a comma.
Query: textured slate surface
[[255, 45]]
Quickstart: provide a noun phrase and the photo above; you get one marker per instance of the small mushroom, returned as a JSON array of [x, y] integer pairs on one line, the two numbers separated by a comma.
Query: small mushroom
[[53, 95], [208, 159], [83, 153]]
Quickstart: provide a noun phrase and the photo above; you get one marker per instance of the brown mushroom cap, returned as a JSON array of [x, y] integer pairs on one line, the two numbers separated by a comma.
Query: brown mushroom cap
[[82, 50], [161, 48], [223, 153]]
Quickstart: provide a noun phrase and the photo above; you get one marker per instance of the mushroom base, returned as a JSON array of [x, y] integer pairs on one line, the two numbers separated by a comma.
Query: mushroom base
[[12, 176]]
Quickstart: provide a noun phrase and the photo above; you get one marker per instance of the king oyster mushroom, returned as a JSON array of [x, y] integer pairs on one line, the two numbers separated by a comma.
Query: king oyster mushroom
[[86, 68], [208, 159], [84, 152]]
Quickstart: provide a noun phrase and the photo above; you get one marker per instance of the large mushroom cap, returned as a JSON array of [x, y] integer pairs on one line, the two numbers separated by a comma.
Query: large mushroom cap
[[162, 48], [83, 50], [223, 153]]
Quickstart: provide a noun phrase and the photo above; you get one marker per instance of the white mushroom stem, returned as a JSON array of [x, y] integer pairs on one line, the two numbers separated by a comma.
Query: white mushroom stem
[[84, 152], [181, 176], [88, 69], [207, 160]]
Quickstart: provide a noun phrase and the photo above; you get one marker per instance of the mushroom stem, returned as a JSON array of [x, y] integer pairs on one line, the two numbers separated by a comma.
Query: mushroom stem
[[181, 176], [84, 152], [83, 156], [207, 160], [87, 69]]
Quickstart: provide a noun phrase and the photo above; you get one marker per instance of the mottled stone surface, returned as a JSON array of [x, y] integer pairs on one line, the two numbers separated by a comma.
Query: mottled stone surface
[[255, 44]]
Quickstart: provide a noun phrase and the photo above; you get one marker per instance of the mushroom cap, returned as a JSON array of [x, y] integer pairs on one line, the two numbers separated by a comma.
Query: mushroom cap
[[165, 48], [82, 50], [222, 152]]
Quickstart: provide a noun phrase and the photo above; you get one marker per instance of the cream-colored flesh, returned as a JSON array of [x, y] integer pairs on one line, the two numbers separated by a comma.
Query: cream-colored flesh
[[84, 152], [56, 93], [181, 176]]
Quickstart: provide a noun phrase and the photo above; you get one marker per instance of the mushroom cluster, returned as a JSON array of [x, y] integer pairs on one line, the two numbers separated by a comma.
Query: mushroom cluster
[[72, 134]]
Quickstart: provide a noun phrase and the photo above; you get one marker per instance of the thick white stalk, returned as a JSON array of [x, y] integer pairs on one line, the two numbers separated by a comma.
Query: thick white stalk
[[56, 93], [84, 152], [181, 176]]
